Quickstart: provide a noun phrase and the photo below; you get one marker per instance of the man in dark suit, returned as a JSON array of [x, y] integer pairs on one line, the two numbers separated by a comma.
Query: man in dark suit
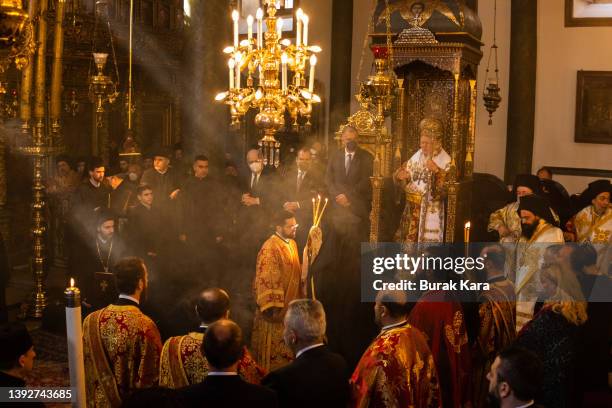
[[317, 377], [300, 185], [348, 183], [259, 200], [222, 387]]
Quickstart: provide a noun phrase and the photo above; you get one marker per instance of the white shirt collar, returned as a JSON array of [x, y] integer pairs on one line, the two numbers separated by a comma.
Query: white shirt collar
[[305, 349], [530, 403], [96, 184], [391, 326], [222, 373], [346, 152], [128, 297], [287, 241], [161, 172]]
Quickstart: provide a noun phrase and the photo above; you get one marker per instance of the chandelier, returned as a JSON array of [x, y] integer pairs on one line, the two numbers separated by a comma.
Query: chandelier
[[275, 73], [16, 35]]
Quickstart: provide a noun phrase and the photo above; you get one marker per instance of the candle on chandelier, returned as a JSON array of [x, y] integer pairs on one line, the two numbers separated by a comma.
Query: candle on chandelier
[[298, 32], [238, 61], [250, 29], [305, 34], [231, 64], [284, 59], [235, 16], [259, 16], [313, 63], [279, 27]]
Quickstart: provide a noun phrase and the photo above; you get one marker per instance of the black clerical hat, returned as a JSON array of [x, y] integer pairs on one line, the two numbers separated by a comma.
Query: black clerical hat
[[15, 341], [593, 190], [163, 152], [538, 206], [103, 215], [528, 180]]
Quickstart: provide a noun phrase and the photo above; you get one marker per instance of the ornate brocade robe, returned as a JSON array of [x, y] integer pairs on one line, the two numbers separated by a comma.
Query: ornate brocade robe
[[182, 363], [508, 217], [396, 370], [277, 282], [423, 216], [529, 260], [441, 320], [598, 231], [497, 312], [121, 352]]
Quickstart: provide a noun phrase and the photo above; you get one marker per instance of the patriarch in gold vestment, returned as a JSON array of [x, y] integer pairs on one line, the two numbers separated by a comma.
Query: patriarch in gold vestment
[[277, 282], [397, 369], [594, 222], [121, 344], [183, 361], [423, 178]]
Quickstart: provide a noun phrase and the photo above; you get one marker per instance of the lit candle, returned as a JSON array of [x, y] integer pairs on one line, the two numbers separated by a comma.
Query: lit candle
[[313, 63], [279, 27], [235, 16], [74, 336], [284, 59], [305, 35], [298, 31], [231, 64], [238, 60], [466, 232], [314, 215], [259, 16], [250, 29]]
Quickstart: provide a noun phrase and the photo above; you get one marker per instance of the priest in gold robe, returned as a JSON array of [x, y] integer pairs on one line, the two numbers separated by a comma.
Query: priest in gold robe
[[423, 180], [277, 282], [537, 233], [496, 311], [506, 220], [182, 361], [594, 222], [121, 344], [397, 369]]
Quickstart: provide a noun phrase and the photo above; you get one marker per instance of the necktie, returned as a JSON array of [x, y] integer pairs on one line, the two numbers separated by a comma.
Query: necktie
[[347, 162], [254, 181], [300, 179]]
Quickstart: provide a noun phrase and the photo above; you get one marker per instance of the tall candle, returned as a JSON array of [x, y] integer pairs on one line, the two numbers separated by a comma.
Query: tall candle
[[231, 64], [298, 31], [238, 60], [466, 232], [235, 16], [305, 34], [259, 16], [279, 28], [74, 340], [284, 59], [313, 63], [250, 29]]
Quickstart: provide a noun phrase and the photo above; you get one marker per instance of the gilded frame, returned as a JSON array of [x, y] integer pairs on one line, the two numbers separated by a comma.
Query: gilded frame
[[593, 87]]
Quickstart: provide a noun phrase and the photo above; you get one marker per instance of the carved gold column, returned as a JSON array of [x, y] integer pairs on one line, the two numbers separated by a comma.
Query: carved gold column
[[25, 107], [453, 185], [469, 149], [56, 76], [399, 125]]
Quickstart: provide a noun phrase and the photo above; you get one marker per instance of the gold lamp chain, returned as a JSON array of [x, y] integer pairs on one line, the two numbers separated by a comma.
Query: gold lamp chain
[[131, 51], [365, 41], [389, 35]]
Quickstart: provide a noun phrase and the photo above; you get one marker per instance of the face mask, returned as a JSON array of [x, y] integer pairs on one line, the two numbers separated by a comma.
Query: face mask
[[256, 167], [351, 146], [132, 176]]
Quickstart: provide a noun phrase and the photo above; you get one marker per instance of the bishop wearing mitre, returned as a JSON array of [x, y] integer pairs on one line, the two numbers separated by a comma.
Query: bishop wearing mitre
[[423, 179]]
